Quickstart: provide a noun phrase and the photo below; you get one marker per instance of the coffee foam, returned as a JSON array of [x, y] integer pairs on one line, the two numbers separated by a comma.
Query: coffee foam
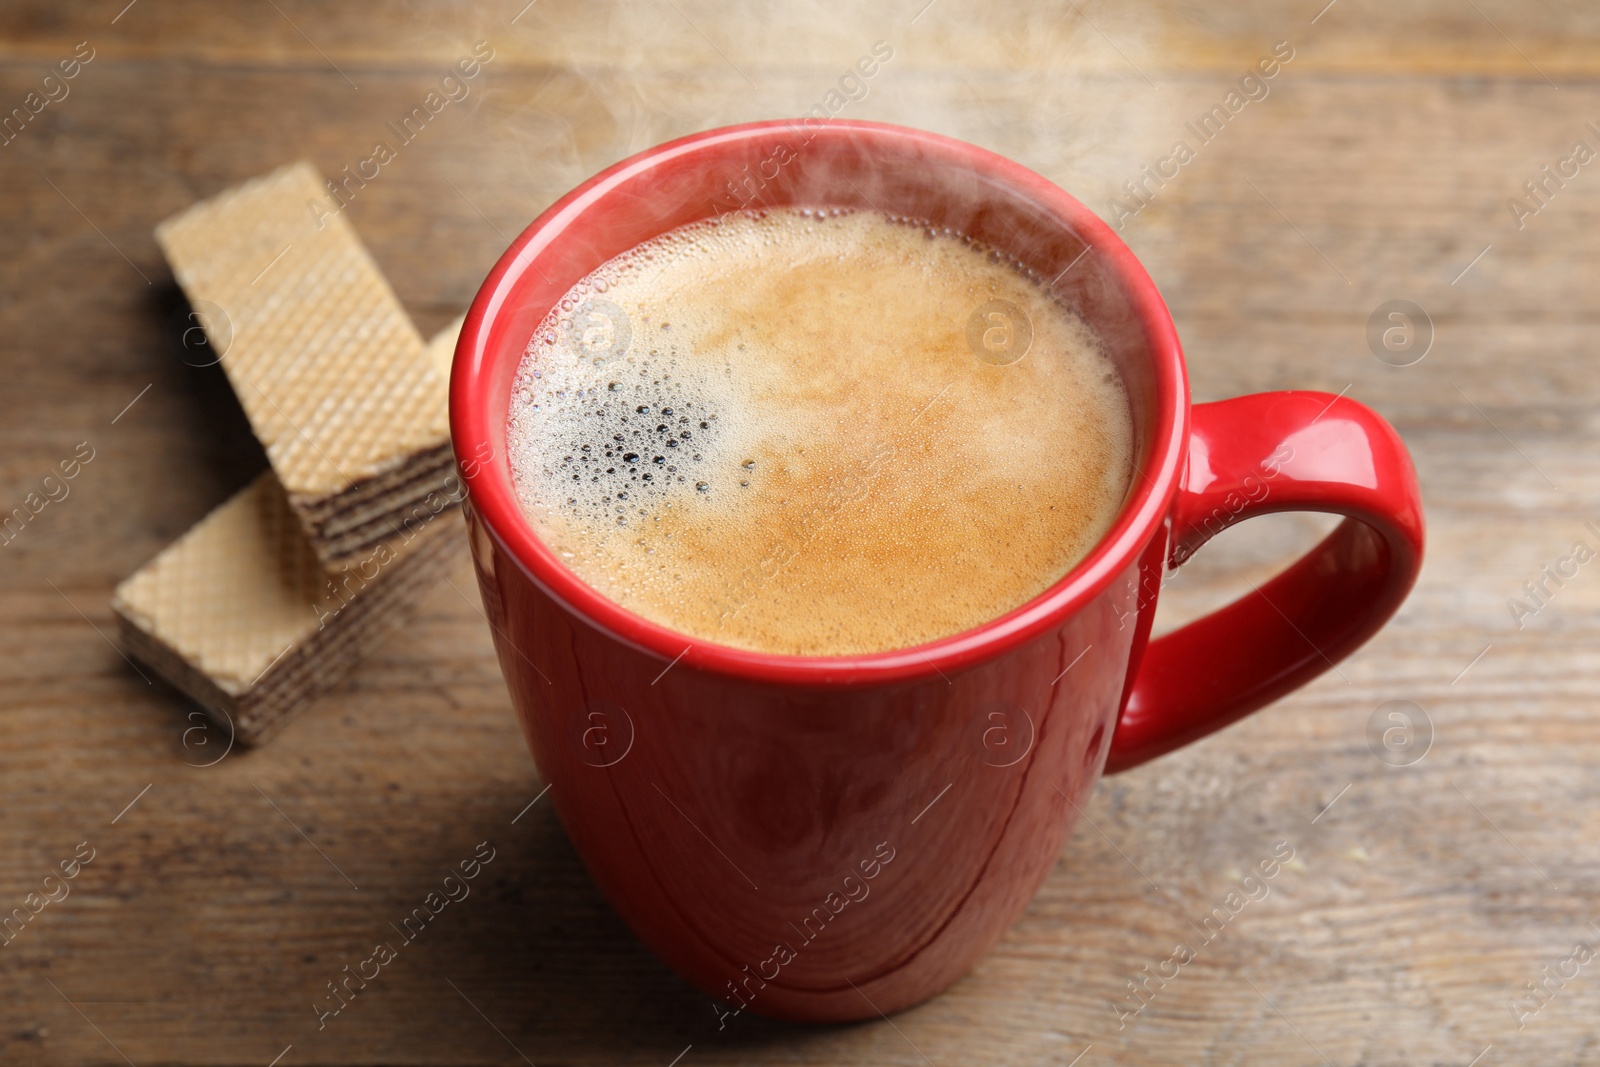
[[778, 432]]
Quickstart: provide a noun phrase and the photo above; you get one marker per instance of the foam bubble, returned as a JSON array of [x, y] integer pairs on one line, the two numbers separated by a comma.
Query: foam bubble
[[789, 432]]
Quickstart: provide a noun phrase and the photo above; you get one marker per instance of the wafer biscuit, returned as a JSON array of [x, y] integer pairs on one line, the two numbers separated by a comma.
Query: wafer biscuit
[[326, 364], [241, 615]]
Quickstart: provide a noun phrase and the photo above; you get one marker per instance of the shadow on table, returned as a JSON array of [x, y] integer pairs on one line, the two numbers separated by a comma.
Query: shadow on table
[[187, 364], [547, 959]]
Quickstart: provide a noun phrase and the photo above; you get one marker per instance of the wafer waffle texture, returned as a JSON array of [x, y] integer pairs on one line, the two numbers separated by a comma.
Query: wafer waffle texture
[[241, 614], [328, 367]]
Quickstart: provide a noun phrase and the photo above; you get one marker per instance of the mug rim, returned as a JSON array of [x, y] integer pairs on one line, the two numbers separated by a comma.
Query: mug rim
[[491, 494]]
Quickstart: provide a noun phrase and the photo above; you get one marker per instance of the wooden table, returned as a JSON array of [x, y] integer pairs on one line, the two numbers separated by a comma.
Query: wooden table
[[222, 899]]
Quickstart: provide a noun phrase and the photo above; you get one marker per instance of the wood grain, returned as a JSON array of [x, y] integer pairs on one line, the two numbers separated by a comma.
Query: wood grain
[[218, 906]]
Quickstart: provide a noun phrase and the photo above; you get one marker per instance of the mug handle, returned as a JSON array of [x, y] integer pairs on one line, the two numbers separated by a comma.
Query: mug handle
[[1253, 455]]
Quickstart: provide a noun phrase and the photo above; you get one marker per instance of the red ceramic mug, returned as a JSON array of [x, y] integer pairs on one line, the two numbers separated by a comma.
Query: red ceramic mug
[[829, 838]]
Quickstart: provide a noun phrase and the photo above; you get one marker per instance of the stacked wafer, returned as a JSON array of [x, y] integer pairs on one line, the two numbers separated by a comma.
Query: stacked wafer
[[325, 361], [272, 597]]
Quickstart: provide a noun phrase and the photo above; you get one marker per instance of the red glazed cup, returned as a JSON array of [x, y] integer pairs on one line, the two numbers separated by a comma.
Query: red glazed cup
[[830, 838]]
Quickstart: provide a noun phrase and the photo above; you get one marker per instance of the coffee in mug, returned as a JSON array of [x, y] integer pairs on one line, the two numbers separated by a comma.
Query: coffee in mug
[[818, 432]]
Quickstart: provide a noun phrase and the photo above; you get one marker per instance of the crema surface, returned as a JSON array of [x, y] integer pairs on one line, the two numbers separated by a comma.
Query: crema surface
[[817, 432]]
